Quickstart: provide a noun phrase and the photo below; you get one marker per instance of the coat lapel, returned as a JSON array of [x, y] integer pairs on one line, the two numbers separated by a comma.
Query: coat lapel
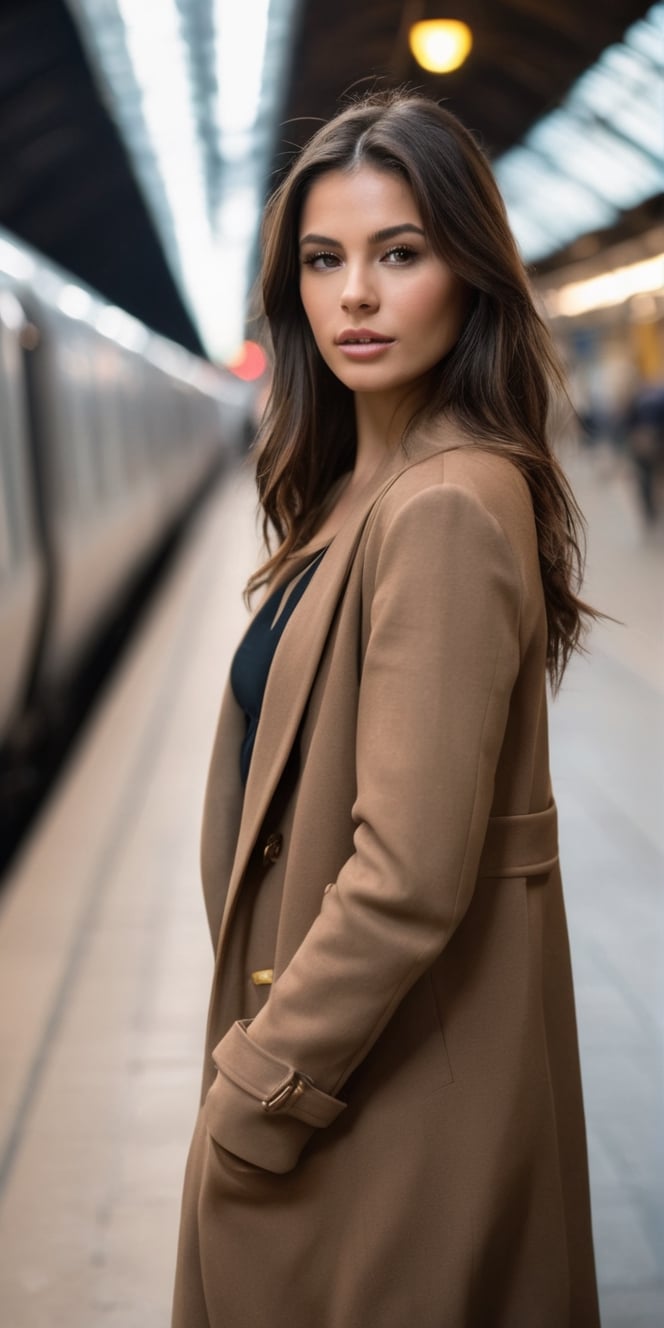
[[296, 662]]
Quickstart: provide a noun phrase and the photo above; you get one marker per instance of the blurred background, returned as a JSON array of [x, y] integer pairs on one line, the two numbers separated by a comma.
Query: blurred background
[[138, 142]]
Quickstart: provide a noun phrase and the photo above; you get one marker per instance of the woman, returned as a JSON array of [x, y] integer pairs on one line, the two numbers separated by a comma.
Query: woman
[[391, 1129]]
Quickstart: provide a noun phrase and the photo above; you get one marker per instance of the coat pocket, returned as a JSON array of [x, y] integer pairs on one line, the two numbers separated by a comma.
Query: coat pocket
[[409, 1061], [232, 1165], [226, 1171]]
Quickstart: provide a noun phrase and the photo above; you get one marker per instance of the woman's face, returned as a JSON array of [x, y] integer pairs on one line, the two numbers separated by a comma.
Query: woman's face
[[382, 306]]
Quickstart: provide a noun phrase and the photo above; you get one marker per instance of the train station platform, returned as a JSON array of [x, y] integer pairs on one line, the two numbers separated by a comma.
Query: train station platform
[[105, 962]]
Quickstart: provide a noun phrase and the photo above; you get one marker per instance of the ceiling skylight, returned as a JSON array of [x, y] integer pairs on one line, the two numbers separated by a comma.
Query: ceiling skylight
[[195, 89], [600, 153]]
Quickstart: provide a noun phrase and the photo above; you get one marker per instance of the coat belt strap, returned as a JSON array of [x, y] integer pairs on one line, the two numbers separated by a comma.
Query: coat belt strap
[[520, 845]]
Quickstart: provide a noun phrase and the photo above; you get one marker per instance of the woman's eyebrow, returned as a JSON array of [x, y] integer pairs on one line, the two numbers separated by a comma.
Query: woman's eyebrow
[[320, 239], [388, 233]]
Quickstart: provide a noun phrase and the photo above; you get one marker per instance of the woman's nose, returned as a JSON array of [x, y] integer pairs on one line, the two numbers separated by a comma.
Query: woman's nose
[[359, 291]]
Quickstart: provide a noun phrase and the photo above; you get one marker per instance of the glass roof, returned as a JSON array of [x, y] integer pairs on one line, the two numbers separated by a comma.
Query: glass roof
[[599, 153], [196, 88]]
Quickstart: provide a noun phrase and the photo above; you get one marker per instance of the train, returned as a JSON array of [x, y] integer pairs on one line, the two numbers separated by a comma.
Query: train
[[109, 434]]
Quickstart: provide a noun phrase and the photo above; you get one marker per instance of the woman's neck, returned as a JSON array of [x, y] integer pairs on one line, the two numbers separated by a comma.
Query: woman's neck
[[380, 419]]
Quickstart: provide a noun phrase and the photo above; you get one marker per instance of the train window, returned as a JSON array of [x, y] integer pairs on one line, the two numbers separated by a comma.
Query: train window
[[7, 485], [16, 527], [122, 420], [138, 441], [77, 478], [91, 440], [154, 418], [105, 364]]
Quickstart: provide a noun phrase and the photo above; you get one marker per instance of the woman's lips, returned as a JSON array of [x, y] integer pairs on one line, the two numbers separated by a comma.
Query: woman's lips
[[364, 349]]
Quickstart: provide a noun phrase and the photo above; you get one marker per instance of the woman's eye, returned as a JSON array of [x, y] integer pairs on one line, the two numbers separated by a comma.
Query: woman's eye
[[321, 261], [401, 253]]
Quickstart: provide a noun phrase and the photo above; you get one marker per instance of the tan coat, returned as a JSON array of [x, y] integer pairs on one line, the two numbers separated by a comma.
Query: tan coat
[[391, 1134]]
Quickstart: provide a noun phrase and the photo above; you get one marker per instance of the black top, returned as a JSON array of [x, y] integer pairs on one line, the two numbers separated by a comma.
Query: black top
[[254, 655]]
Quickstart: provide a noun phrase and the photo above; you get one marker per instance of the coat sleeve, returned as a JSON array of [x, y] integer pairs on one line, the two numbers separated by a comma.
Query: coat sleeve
[[441, 659]]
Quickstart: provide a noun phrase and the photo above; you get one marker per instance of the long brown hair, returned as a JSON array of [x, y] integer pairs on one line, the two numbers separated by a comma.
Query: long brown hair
[[497, 381]]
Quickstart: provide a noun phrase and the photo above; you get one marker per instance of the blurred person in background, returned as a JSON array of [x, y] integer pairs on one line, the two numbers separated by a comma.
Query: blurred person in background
[[391, 1124], [644, 430]]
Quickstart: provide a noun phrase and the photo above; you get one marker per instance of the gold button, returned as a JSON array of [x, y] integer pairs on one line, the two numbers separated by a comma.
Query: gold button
[[272, 848], [262, 977]]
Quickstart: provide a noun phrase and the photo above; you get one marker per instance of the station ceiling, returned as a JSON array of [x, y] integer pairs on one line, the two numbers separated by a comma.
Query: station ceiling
[[526, 55], [66, 183], [71, 186]]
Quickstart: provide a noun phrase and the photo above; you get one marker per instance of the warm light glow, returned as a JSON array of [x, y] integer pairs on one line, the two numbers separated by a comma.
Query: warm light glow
[[441, 44], [249, 363], [579, 297]]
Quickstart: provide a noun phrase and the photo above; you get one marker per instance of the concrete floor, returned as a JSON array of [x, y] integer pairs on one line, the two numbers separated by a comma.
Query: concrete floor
[[105, 962]]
